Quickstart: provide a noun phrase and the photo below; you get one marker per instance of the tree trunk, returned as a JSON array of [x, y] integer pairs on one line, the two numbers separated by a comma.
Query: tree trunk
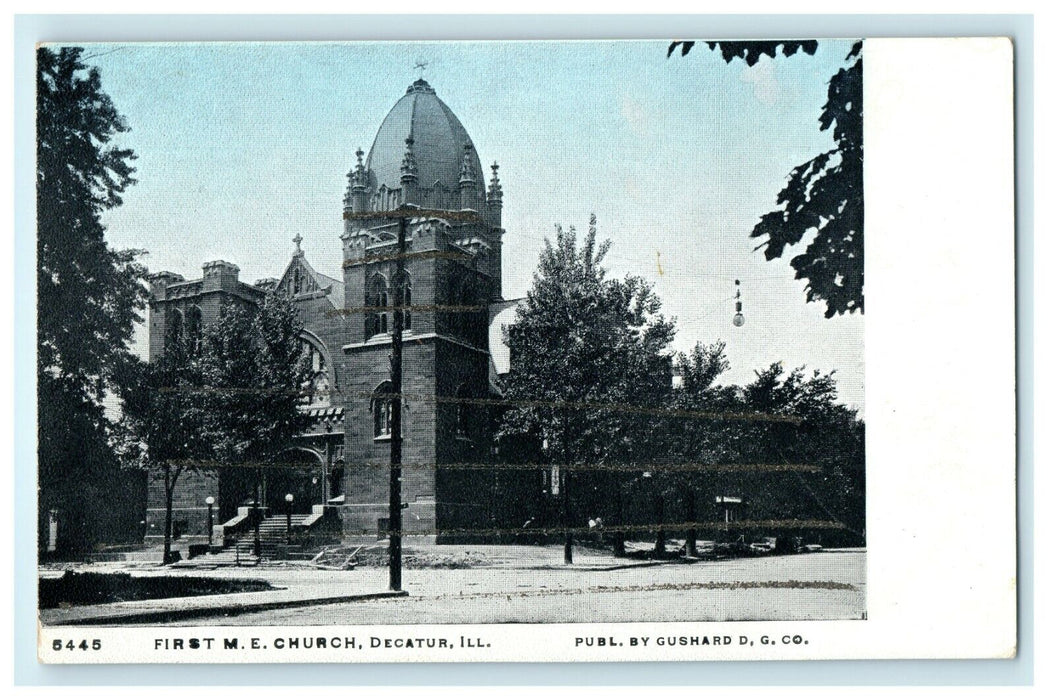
[[566, 517], [618, 536], [565, 501], [690, 536], [170, 488], [661, 534]]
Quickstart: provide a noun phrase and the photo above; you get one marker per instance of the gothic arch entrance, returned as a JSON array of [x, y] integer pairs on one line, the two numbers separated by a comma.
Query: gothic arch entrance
[[298, 472]]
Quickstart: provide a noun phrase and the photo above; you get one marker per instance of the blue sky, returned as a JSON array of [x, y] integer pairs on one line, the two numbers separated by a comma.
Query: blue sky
[[243, 146]]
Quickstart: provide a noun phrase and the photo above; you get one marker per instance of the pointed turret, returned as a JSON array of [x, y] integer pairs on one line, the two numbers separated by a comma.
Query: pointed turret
[[357, 182], [408, 172], [494, 197], [494, 192], [467, 181]]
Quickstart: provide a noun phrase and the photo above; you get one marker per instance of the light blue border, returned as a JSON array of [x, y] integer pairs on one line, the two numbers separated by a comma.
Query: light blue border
[[32, 28]]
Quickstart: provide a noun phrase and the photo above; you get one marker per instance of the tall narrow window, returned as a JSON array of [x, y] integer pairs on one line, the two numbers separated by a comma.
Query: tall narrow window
[[194, 328], [381, 407], [174, 332], [377, 305], [317, 388], [404, 297]]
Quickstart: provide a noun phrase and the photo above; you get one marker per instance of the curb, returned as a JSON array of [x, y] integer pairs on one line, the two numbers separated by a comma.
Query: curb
[[161, 616]]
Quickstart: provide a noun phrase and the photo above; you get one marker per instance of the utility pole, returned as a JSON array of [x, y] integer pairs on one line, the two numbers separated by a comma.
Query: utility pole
[[395, 498]]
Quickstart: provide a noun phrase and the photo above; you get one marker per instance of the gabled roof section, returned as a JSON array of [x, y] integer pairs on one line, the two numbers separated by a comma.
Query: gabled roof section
[[302, 280]]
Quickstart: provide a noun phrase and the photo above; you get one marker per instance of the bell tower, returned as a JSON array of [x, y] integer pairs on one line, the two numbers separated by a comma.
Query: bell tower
[[421, 156]]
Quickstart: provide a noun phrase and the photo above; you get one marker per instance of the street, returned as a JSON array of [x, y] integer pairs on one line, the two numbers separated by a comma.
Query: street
[[825, 585]]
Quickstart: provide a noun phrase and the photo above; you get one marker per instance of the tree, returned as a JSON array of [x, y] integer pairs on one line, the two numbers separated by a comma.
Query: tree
[[825, 194], [230, 402], [163, 423], [256, 372], [701, 442], [584, 348], [828, 436], [89, 296]]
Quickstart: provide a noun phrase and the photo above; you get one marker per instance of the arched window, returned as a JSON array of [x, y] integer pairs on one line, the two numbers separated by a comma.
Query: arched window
[[404, 297], [377, 303], [317, 388], [468, 318], [296, 280], [381, 407], [194, 325], [174, 332], [463, 411]]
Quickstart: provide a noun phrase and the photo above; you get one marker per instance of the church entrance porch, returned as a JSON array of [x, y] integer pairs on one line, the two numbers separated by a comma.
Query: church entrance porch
[[302, 483], [299, 473]]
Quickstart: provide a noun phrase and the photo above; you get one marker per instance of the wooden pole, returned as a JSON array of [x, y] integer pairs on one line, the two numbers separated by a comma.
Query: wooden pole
[[395, 505]]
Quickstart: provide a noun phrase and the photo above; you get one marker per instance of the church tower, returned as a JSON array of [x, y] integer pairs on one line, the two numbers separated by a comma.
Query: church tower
[[422, 156]]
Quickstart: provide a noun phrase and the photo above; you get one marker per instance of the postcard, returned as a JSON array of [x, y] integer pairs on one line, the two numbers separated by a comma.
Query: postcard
[[525, 351]]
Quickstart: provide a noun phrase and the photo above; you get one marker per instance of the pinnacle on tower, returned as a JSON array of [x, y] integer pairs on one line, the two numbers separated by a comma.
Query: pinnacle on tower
[[355, 197], [494, 192], [409, 169], [468, 178], [358, 174]]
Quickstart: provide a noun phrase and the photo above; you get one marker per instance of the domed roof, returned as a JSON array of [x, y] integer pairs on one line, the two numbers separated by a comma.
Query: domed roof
[[439, 142]]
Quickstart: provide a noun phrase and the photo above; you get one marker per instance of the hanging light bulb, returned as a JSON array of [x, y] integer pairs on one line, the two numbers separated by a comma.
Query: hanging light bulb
[[738, 317]]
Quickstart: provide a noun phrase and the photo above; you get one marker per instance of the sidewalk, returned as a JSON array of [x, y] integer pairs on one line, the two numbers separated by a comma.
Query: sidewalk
[[305, 588], [299, 585]]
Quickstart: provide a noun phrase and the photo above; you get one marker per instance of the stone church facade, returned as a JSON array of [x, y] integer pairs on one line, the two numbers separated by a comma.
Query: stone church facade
[[453, 353]]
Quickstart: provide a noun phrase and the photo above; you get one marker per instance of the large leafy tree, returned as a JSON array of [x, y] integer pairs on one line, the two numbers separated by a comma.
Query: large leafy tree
[[698, 445], [230, 401], [823, 196], [584, 349], [827, 436], [89, 295], [162, 430], [255, 373]]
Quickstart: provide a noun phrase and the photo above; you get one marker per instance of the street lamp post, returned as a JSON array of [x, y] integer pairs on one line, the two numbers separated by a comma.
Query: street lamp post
[[209, 501], [289, 518]]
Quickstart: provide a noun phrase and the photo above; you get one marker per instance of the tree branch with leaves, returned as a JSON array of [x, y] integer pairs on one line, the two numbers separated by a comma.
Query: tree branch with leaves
[[823, 197]]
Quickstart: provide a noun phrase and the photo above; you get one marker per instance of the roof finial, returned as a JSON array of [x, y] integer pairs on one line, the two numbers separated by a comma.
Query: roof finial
[[494, 192], [420, 66], [357, 175], [296, 241]]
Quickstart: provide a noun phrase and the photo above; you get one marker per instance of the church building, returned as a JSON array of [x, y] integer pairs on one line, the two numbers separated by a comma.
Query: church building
[[337, 470]]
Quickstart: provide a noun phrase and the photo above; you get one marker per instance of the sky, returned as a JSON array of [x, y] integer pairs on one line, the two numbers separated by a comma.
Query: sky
[[241, 147]]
